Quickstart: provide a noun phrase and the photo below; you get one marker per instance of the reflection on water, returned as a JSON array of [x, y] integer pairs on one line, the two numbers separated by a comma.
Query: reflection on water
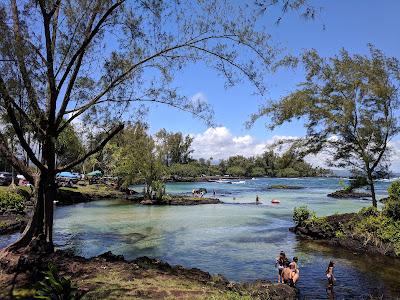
[[239, 241]]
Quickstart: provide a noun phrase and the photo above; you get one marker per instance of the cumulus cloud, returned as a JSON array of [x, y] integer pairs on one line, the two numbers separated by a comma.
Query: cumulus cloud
[[220, 143]]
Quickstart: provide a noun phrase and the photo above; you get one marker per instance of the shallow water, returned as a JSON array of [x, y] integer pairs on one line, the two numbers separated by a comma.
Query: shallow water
[[237, 239]]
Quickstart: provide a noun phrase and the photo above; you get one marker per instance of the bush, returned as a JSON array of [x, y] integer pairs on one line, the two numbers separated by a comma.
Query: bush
[[392, 209], [368, 211], [394, 190], [301, 215], [392, 204], [11, 200]]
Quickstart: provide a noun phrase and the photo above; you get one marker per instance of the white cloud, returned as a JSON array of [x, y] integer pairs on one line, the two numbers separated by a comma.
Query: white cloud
[[220, 143]]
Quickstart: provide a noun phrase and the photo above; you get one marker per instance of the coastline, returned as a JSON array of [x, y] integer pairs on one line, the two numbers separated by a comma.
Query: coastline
[[112, 277], [338, 231]]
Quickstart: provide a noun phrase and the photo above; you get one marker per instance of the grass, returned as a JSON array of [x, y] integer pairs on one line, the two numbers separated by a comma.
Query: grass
[[116, 284]]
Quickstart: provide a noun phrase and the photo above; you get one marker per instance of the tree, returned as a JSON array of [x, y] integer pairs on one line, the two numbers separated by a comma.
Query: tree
[[137, 160], [98, 62], [68, 146], [175, 147], [349, 105]]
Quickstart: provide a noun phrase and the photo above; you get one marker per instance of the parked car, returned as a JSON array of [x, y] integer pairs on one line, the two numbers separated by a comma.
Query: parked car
[[67, 178], [6, 178]]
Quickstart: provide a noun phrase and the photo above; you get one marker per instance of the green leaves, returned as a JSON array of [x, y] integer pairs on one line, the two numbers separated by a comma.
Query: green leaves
[[55, 287], [348, 104]]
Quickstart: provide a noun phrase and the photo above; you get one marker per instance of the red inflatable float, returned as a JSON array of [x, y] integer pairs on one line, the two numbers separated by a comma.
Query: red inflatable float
[[275, 201]]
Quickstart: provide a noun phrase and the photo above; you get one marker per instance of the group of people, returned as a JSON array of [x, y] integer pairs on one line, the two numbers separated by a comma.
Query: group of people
[[288, 272]]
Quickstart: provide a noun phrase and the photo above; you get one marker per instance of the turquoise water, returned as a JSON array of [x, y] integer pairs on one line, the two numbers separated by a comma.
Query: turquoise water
[[237, 239]]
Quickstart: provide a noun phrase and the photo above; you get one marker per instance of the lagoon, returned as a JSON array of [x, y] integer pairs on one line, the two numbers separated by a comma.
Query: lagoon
[[237, 239]]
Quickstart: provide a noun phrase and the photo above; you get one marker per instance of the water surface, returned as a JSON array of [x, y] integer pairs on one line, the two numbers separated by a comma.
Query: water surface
[[237, 239]]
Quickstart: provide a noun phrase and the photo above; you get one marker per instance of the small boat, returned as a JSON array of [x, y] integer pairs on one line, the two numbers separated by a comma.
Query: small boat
[[275, 201]]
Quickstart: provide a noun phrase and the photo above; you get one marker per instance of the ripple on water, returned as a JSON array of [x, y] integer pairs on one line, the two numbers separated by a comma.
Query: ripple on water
[[239, 241]]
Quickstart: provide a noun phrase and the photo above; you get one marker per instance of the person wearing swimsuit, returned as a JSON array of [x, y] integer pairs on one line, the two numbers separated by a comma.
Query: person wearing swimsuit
[[329, 273], [280, 264], [287, 274], [295, 270]]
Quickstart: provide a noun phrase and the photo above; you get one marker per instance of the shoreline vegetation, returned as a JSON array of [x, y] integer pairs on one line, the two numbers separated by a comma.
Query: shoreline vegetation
[[370, 230], [109, 276]]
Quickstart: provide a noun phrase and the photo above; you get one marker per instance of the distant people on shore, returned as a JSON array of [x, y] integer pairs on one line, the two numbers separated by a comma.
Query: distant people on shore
[[288, 272]]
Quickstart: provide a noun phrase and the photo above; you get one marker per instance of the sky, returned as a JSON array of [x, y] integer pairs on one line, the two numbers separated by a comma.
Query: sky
[[339, 24]]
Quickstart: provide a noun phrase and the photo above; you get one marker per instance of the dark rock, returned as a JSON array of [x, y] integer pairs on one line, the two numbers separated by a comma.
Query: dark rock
[[109, 256], [349, 194], [284, 187]]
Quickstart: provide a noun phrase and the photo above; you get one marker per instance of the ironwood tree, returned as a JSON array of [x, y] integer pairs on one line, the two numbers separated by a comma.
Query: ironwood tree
[[350, 107], [98, 62]]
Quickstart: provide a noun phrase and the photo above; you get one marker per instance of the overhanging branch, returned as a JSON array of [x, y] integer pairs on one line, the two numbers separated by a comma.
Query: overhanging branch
[[93, 151]]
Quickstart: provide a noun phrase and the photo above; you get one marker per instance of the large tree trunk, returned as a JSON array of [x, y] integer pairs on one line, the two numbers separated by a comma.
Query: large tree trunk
[[372, 187], [38, 234]]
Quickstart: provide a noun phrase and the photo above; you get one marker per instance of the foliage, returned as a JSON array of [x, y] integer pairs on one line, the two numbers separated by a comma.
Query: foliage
[[11, 200], [174, 148], [349, 106], [68, 146], [379, 229], [392, 204], [137, 160], [301, 215], [55, 287], [369, 211], [236, 171], [158, 188], [394, 190]]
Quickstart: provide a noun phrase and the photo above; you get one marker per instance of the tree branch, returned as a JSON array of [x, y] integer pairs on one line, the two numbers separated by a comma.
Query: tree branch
[[93, 151], [14, 161], [18, 130], [21, 61], [87, 41]]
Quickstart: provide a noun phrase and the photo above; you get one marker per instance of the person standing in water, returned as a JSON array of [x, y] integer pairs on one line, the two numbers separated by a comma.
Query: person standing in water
[[257, 200], [280, 264], [331, 279], [295, 270]]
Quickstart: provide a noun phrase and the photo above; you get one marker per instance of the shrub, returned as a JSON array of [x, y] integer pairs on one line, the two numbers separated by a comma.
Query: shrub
[[392, 209], [394, 190], [368, 211], [392, 205], [11, 200], [53, 286], [301, 215], [339, 234]]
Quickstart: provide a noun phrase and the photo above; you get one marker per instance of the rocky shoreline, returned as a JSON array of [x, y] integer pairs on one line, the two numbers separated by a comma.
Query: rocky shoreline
[[67, 196], [111, 277], [338, 231]]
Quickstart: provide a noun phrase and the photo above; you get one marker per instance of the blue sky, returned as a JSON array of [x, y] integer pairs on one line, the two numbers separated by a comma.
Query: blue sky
[[348, 24]]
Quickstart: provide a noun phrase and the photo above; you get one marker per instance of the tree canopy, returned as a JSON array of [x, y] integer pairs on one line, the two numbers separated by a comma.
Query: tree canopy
[[350, 107]]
